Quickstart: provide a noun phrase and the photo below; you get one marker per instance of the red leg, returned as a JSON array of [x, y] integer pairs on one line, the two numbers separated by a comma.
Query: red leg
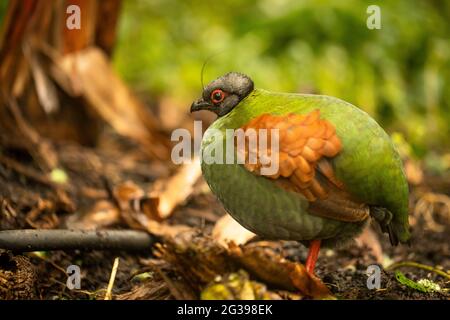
[[313, 253]]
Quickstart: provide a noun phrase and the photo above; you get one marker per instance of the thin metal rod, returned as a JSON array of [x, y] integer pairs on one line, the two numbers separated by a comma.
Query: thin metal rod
[[27, 240]]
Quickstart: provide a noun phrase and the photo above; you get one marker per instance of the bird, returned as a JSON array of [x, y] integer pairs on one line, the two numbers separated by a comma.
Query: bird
[[337, 169]]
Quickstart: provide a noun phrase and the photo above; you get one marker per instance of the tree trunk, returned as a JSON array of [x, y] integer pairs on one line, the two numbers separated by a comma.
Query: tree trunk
[[33, 35]]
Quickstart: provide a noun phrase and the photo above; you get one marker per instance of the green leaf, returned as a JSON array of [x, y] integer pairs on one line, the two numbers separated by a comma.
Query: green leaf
[[423, 285]]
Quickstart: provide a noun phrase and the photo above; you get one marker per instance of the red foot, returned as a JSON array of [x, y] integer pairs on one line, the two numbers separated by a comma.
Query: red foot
[[313, 253]]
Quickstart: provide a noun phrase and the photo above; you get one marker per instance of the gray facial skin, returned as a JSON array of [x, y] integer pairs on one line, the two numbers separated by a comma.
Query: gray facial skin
[[236, 86]]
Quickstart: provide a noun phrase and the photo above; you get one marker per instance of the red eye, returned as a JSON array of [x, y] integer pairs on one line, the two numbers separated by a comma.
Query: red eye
[[217, 96]]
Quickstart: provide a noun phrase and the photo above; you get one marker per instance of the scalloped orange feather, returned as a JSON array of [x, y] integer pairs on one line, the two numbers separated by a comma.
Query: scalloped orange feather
[[303, 141]]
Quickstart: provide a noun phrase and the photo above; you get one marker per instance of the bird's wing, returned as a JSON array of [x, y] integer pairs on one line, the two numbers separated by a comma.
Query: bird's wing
[[306, 146]]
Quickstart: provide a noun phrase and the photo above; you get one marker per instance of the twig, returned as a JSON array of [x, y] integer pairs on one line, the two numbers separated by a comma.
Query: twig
[[41, 150], [45, 240], [27, 171], [108, 294], [420, 266], [90, 294], [34, 254]]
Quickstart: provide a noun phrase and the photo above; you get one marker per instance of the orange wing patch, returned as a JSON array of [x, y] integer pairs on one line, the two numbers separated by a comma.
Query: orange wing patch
[[303, 141]]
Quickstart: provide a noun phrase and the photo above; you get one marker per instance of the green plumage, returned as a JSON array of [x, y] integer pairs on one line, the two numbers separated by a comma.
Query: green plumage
[[368, 165]]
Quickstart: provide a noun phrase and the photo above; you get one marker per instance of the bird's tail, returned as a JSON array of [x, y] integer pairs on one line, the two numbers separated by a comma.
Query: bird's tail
[[396, 231]]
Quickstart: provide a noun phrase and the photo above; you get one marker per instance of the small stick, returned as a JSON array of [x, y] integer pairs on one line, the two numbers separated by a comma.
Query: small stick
[[28, 240], [420, 266], [27, 171], [112, 278], [37, 255]]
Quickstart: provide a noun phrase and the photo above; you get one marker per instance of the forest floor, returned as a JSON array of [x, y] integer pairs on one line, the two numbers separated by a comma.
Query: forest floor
[[186, 262]]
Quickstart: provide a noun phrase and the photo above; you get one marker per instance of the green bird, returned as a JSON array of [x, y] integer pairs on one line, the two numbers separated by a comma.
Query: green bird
[[335, 167]]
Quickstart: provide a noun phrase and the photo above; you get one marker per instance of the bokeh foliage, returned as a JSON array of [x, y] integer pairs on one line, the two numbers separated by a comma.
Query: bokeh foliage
[[399, 74]]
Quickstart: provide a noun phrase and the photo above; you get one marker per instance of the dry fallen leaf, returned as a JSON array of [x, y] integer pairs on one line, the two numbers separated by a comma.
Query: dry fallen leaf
[[308, 284], [197, 258], [127, 193], [165, 196], [263, 263], [102, 214], [227, 229], [434, 208], [88, 73], [45, 89], [171, 192], [139, 211], [43, 216], [272, 268]]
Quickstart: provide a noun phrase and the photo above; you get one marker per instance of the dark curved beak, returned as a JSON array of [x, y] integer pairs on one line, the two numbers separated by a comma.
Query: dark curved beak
[[200, 104]]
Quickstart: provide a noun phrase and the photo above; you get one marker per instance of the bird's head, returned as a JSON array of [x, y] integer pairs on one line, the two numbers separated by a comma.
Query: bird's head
[[223, 94]]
